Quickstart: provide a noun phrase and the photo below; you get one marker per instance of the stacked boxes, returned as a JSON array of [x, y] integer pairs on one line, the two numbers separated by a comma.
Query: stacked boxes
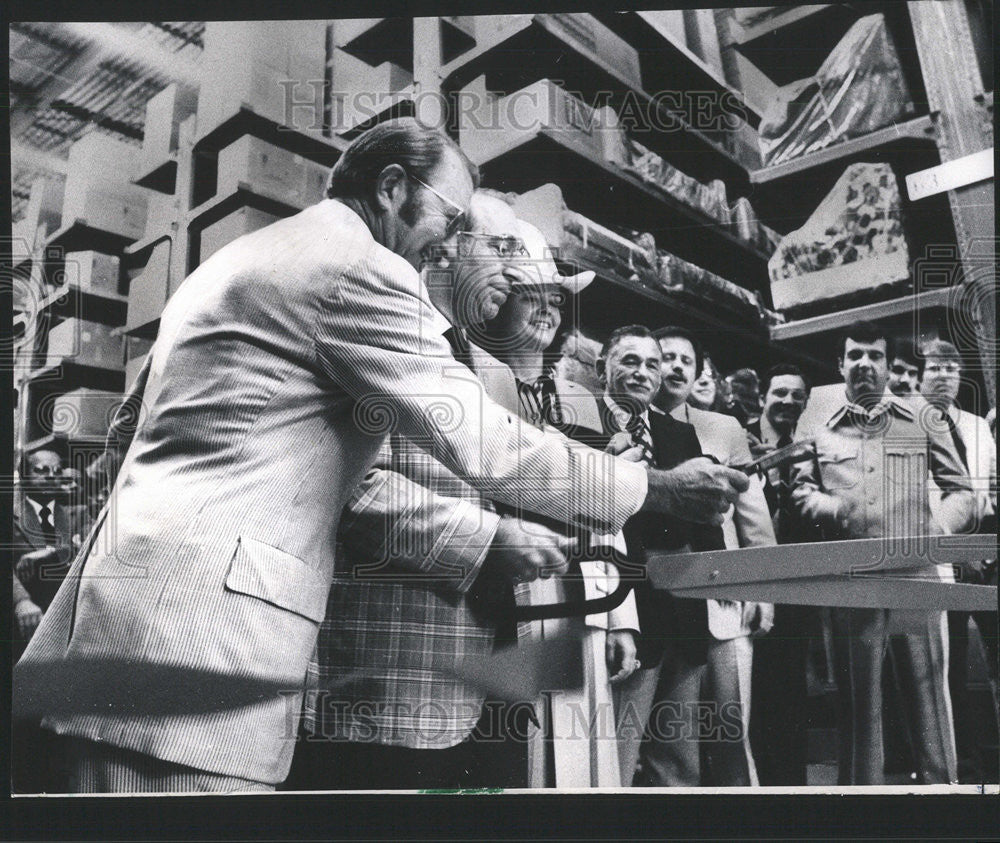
[[236, 224], [85, 342], [96, 190], [85, 413], [271, 171], [275, 68]]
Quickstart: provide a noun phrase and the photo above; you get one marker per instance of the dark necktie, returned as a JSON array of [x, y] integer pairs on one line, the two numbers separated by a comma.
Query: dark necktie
[[48, 528], [636, 426], [784, 475], [956, 439]]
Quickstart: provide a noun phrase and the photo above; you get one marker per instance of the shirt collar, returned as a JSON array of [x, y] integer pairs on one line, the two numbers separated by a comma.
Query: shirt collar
[[35, 505], [888, 403], [622, 416]]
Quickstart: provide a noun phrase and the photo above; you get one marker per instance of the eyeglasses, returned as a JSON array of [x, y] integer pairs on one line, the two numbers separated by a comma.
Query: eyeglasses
[[904, 370], [504, 245], [454, 222], [943, 368]]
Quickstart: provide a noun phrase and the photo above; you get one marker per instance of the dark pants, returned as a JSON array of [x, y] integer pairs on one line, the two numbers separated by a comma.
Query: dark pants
[[495, 755], [779, 714], [971, 733]]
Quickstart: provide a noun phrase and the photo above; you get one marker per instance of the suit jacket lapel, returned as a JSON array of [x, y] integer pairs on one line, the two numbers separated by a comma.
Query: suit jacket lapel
[[27, 521]]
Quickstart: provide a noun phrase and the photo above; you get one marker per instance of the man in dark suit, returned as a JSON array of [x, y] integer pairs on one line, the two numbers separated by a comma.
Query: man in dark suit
[[45, 527], [779, 714], [629, 368]]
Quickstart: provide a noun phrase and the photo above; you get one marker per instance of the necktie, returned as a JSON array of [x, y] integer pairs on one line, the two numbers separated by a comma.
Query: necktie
[[48, 528], [530, 401], [784, 475], [956, 439], [639, 430]]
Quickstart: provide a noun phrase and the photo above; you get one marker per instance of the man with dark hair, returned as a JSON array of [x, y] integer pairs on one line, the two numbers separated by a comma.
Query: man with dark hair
[[942, 377], [780, 696], [906, 369], [720, 676], [871, 482], [281, 365]]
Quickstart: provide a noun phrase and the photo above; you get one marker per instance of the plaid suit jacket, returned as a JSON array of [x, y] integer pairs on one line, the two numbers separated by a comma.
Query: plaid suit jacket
[[412, 541]]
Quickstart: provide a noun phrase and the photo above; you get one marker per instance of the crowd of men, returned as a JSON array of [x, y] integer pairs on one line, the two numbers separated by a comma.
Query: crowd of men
[[347, 462]]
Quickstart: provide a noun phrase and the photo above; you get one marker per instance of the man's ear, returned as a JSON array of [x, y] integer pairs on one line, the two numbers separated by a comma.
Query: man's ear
[[391, 188]]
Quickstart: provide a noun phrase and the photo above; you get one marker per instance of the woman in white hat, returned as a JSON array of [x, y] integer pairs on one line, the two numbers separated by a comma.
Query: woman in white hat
[[520, 335]]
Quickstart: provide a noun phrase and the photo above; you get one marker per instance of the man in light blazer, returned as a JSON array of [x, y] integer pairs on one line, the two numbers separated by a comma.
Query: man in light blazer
[[418, 545], [730, 623], [181, 636]]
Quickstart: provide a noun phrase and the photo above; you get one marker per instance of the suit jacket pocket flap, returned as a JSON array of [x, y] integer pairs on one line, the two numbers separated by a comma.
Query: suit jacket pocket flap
[[279, 578]]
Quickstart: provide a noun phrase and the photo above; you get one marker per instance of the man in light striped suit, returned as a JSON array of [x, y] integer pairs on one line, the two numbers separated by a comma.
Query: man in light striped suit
[[180, 638]]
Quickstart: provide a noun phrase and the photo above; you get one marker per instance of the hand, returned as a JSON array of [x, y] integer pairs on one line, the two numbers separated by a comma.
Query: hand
[[758, 449], [697, 490], [28, 615], [29, 563], [619, 444], [619, 652], [523, 550]]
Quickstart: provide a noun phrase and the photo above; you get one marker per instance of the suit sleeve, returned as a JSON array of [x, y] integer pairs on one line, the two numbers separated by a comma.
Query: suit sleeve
[[379, 338], [752, 516], [124, 424], [957, 507], [412, 528]]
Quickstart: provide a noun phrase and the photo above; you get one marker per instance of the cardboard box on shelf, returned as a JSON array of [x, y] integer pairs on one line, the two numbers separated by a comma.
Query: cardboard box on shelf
[[275, 68], [236, 224], [583, 32], [93, 271], [148, 292], [271, 171], [360, 91], [495, 125], [164, 114], [84, 413], [85, 342]]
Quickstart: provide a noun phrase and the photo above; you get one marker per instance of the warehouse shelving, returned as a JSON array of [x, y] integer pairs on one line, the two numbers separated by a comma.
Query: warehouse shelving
[[160, 177], [598, 82], [596, 187], [71, 300], [896, 137], [904, 306], [79, 235]]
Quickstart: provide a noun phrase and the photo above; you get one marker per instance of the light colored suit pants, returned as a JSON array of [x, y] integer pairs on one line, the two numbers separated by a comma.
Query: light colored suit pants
[[696, 719]]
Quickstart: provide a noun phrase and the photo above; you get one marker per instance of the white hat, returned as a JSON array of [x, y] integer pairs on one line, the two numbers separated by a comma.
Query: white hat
[[539, 267]]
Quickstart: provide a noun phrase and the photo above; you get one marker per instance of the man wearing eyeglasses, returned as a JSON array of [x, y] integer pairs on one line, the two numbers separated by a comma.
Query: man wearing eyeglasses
[[423, 555], [942, 378], [281, 364]]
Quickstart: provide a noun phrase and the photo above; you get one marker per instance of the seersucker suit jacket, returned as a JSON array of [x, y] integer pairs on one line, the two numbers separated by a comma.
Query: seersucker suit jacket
[[281, 364]]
